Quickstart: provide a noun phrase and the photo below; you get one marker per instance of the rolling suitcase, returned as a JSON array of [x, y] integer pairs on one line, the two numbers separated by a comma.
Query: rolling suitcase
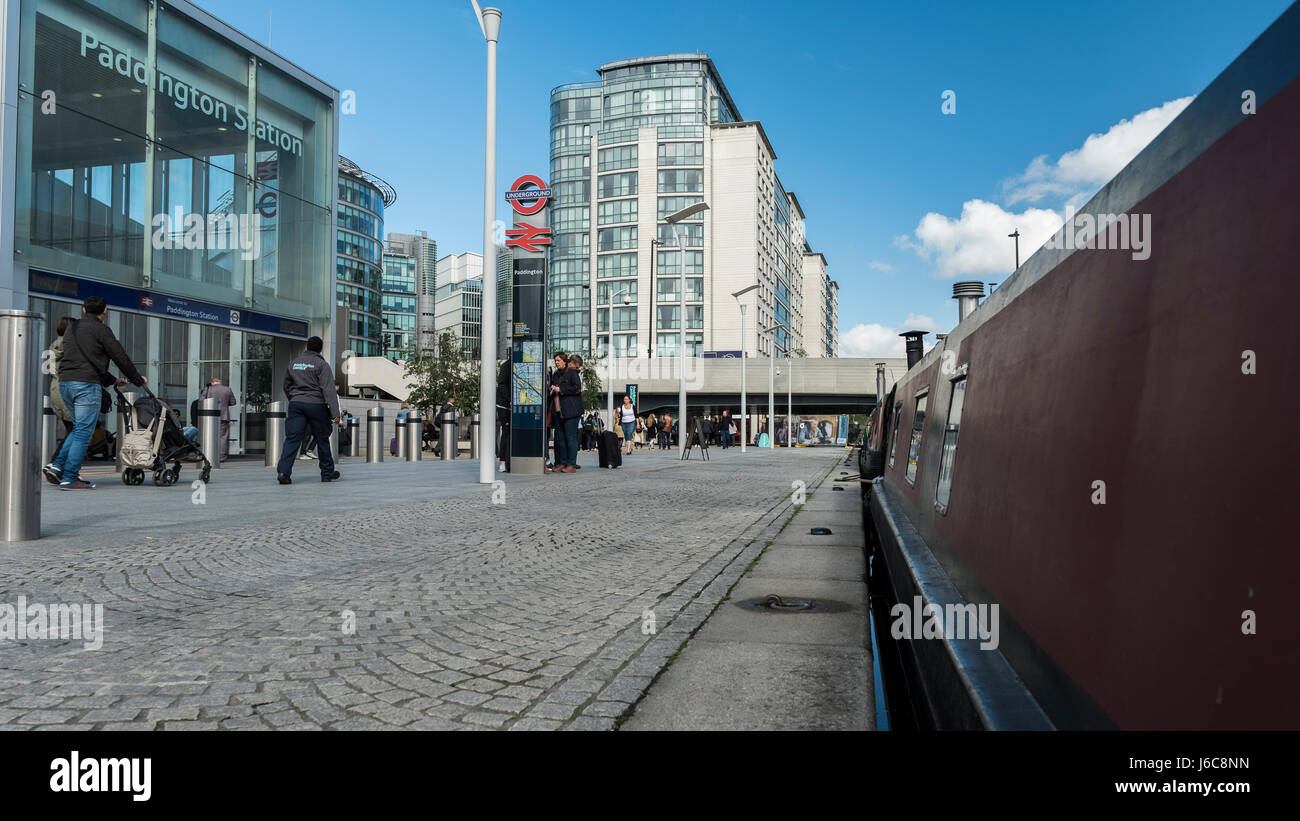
[[610, 454]]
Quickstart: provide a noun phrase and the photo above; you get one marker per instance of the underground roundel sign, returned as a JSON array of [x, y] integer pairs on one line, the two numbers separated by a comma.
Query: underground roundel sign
[[528, 195]]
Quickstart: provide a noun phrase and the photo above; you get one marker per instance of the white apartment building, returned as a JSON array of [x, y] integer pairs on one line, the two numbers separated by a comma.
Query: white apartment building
[[458, 303], [821, 306], [653, 136]]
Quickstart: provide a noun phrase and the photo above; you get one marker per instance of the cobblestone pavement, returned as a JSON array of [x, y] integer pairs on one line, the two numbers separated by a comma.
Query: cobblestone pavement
[[468, 614]]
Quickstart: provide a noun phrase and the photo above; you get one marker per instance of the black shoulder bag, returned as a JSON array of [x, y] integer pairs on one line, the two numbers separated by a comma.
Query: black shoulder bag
[[105, 399]]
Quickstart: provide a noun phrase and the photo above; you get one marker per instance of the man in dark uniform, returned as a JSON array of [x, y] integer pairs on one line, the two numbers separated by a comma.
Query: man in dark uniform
[[314, 404]]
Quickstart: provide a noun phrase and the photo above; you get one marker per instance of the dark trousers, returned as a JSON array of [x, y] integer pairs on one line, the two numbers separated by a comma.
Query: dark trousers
[[569, 432], [503, 441], [301, 417]]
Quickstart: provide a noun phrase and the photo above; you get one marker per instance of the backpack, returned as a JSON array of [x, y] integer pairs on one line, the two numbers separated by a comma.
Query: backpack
[[137, 447]]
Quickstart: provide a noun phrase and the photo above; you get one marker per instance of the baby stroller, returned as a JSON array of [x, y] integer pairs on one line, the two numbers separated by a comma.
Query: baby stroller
[[153, 441]]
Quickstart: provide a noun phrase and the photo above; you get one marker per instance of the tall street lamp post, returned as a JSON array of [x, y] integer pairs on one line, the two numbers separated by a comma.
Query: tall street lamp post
[[771, 386], [743, 341], [489, 21], [609, 351], [673, 219]]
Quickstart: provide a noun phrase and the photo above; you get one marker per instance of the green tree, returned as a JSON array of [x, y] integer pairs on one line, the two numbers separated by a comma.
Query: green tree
[[593, 391], [449, 373]]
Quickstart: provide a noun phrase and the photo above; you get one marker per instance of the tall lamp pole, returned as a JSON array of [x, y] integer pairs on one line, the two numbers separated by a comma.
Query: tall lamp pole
[[609, 352], [744, 393], [1016, 236], [489, 21], [673, 219], [771, 386], [789, 403]]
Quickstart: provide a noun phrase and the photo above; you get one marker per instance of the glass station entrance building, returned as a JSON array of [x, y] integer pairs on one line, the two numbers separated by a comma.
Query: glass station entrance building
[[160, 159]]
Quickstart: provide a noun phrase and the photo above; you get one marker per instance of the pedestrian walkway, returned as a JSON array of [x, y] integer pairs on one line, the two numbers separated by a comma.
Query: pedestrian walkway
[[405, 596], [753, 667]]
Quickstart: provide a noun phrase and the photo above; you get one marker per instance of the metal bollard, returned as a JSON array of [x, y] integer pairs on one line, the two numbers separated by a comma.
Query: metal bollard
[[49, 433], [474, 428], [21, 333], [210, 430], [375, 443], [401, 437], [414, 436], [450, 436], [122, 420], [354, 436], [276, 412]]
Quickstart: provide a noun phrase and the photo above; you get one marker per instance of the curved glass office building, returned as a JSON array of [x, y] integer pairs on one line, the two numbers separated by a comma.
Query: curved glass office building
[[360, 241], [160, 159]]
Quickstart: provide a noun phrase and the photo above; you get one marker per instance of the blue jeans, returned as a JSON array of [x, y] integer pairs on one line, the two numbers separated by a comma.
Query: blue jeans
[[570, 430], [629, 431], [300, 417], [726, 438], [82, 400]]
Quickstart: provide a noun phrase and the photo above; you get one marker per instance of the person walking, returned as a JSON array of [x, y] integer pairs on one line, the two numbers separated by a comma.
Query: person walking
[[314, 405], [89, 344], [665, 428], [225, 401], [627, 419], [724, 429], [569, 391], [56, 356]]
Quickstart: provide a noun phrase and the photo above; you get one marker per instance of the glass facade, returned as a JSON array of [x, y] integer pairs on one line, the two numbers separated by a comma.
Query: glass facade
[[361, 264], [175, 167], [221, 190], [399, 307]]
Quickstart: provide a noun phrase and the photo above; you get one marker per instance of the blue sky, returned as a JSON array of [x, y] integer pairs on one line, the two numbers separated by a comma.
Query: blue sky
[[848, 92]]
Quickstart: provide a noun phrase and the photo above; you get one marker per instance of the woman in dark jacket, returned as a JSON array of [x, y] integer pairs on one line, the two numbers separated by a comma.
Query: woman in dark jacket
[[503, 417], [553, 419], [570, 393]]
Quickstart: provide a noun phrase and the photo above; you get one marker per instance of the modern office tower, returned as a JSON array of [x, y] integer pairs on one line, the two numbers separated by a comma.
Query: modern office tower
[[505, 303], [108, 186], [362, 199], [459, 300], [425, 253], [651, 137], [821, 306], [398, 340]]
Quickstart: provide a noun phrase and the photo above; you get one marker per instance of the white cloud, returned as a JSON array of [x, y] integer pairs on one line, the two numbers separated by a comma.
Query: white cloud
[[880, 266], [976, 243], [1079, 173], [867, 340]]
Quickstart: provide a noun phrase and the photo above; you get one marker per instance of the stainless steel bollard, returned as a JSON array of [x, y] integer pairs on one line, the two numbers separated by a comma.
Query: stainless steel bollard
[[375, 443], [401, 437], [210, 430], [123, 419], [354, 436], [49, 433], [474, 428], [21, 333], [276, 412], [449, 441], [414, 436]]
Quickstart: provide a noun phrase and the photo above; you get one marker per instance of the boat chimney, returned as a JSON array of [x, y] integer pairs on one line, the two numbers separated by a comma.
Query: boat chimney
[[915, 347], [968, 295], [880, 383]]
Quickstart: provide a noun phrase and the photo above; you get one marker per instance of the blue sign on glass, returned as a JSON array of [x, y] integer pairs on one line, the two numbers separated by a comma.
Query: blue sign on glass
[[133, 299]]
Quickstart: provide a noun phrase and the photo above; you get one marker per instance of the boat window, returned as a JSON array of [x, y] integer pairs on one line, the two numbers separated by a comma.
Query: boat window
[[893, 435], [918, 426], [944, 488]]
